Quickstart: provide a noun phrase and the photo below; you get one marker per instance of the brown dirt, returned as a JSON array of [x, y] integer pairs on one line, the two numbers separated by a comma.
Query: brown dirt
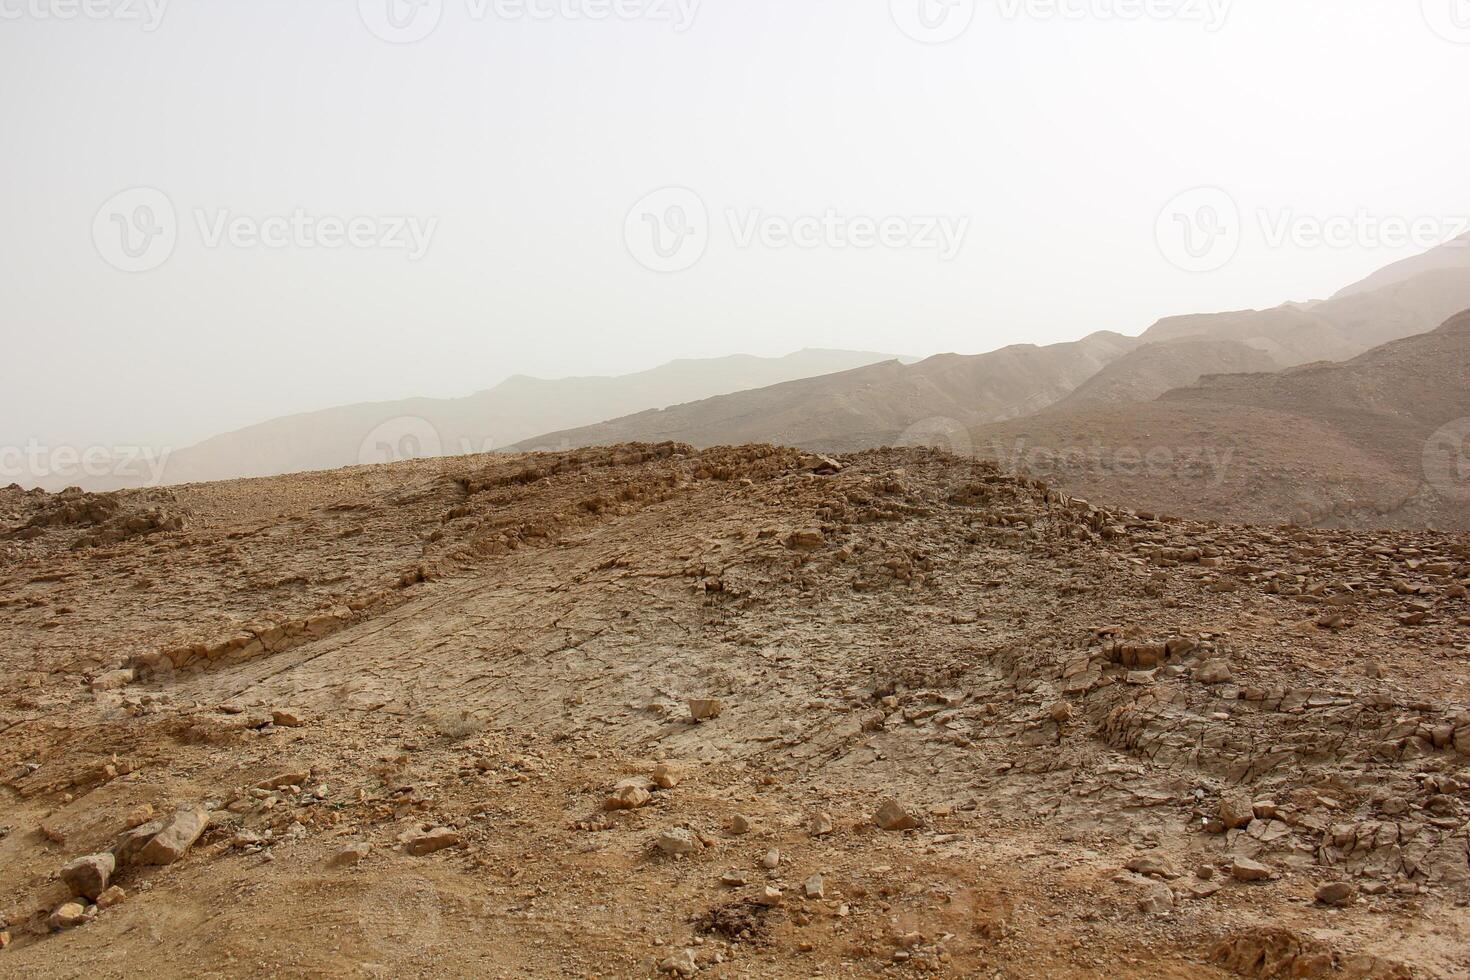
[[491, 644]]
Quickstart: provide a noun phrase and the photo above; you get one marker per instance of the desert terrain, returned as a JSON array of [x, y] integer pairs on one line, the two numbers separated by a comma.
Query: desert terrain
[[649, 710]]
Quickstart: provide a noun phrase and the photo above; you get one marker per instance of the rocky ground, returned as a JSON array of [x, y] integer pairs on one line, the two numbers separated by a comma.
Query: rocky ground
[[734, 713]]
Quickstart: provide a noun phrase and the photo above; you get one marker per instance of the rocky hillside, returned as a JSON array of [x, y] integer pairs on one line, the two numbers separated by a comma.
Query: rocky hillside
[[1376, 441], [1148, 371], [871, 406], [651, 711]]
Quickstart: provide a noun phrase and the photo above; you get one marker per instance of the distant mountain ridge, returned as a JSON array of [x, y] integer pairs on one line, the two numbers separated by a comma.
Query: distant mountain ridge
[[518, 407], [1328, 443], [884, 404]]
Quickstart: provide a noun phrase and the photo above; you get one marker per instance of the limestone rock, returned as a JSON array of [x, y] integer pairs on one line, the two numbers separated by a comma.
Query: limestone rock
[[112, 896], [350, 855], [677, 842], [706, 709], [419, 843], [1236, 810], [681, 964], [88, 876], [892, 815], [67, 915], [1244, 869], [178, 835], [665, 776]]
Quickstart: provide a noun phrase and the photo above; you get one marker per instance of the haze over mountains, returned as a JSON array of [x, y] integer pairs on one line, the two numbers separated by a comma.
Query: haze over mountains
[[1324, 444], [378, 432], [880, 403]]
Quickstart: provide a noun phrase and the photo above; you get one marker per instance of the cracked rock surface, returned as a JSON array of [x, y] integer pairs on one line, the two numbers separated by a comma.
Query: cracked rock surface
[[561, 708]]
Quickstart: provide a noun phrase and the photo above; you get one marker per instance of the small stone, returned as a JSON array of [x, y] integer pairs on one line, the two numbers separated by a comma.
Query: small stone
[[1205, 872], [138, 816], [735, 879], [677, 842], [627, 797], [351, 854], [1336, 893], [67, 915], [1244, 869], [815, 887], [1157, 899], [1061, 712], [178, 835], [285, 779], [1213, 672], [88, 876], [419, 843], [821, 825], [681, 964], [739, 824], [4, 939], [706, 709], [1152, 866], [665, 776], [112, 896], [286, 718], [772, 860], [769, 896], [891, 815], [1265, 809], [1202, 889], [1236, 810]]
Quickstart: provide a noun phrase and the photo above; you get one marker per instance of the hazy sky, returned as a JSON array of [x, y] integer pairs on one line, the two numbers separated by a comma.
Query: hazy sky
[[496, 166]]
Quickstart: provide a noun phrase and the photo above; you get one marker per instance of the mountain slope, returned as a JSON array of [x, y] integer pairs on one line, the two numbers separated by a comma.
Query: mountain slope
[[519, 407], [1334, 329], [1453, 254], [943, 396], [870, 406], [1322, 443], [1149, 371]]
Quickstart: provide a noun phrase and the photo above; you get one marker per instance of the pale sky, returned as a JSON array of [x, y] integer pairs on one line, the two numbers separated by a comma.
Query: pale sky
[[511, 150]]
